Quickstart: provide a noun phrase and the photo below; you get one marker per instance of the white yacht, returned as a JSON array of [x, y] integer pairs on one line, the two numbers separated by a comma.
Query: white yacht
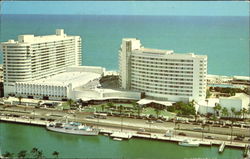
[[73, 128], [191, 143]]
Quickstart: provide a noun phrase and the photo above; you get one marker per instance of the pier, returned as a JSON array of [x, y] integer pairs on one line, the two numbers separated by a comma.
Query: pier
[[222, 146], [246, 152]]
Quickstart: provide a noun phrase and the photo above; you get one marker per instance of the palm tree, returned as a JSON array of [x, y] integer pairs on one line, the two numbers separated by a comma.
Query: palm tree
[[137, 107], [244, 111], [70, 102], [34, 151], [203, 127], [20, 99], [39, 154], [110, 104], [157, 112], [238, 113], [224, 111], [233, 111], [217, 109], [56, 154], [8, 155], [103, 107], [22, 154], [134, 104], [120, 109]]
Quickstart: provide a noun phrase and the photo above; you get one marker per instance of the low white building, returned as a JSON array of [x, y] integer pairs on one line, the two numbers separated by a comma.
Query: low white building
[[239, 101], [207, 106], [60, 86]]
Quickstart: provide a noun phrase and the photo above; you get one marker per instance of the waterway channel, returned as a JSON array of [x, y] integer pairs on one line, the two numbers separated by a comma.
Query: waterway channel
[[16, 137]]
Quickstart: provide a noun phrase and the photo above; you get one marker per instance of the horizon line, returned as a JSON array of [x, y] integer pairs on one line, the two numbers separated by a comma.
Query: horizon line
[[136, 15]]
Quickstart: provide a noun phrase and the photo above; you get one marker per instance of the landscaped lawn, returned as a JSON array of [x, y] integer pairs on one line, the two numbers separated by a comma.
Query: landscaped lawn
[[64, 106], [152, 111], [145, 111]]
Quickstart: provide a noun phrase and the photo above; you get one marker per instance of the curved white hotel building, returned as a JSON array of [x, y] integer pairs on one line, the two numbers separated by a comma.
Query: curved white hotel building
[[35, 57], [162, 74]]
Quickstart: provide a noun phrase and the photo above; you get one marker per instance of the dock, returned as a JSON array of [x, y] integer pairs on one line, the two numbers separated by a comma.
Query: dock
[[222, 146], [246, 152]]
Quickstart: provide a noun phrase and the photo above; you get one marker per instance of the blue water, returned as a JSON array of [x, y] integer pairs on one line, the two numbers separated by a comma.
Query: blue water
[[224, 39]]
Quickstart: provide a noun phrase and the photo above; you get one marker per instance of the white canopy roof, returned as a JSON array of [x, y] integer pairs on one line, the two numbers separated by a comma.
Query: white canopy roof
[[147, 101]]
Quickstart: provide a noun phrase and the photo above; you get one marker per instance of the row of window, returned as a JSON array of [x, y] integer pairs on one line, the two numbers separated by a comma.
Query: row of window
[[162, 74], [160, 92], [161, 59]]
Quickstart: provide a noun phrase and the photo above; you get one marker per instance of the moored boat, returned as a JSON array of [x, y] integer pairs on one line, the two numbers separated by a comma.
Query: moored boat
[[117, 139], [72, 128], [190, 143]]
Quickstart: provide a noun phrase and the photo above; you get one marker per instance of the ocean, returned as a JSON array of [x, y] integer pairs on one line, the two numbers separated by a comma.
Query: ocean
[[224, 39]]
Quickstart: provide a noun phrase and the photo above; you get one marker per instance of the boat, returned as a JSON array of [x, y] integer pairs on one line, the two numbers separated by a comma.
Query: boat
[[191, 143], [73, 128], [117, 139]]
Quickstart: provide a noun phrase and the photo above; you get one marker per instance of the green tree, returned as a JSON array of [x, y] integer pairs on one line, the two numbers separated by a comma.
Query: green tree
[[39, 103], [110, 104], [120, 109], [217, 109], [158, 108], [224, 111], [157, 112], [20, 99], [203, 127], [8, 155], [208, 93], [22, 154], [233, 111], [70, 102], [134, 104], [238, 113], [34, 152], [56, 154], [137, 107], [103, 107], [244, 112]]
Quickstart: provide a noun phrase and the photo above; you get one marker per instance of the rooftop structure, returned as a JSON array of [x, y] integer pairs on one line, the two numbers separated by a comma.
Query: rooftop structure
[[34, 57], [60, 86], [241, 80], [162, 74]]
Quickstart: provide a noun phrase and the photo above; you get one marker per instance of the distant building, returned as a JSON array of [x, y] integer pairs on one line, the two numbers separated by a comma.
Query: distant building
[[241, 80], [36, 57], [162, 74], [239, 101]]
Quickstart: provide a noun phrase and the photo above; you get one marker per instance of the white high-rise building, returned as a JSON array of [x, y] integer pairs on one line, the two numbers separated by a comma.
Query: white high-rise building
[[162, 74], [36, 57]]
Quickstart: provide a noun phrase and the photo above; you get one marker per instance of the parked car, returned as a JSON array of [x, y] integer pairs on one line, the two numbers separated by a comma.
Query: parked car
[[209, 137], [182, 134], [239, 138], [141, 130], [197, 128], [159, 121], [149, 122], [90, 117]]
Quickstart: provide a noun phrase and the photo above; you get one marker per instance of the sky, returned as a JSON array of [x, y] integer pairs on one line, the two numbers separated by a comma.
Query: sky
[[189, 8]]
